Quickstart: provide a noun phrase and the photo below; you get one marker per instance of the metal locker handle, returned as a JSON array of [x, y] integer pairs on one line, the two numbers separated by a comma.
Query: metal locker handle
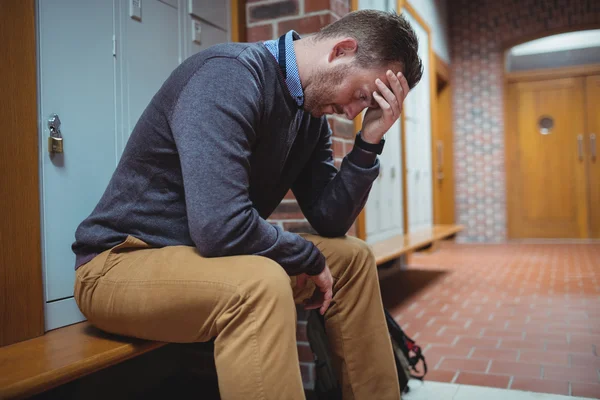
[[580, 147], [593, 145]]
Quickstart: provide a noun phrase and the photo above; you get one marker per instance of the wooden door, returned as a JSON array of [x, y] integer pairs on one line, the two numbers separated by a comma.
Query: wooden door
[[547, 186], [592, 137], [443, 159]]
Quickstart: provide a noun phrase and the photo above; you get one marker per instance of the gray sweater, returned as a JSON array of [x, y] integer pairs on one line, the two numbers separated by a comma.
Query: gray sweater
[[213, 155]]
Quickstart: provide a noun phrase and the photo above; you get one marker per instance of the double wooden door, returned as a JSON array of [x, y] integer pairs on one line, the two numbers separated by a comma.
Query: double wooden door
[[552, 154]]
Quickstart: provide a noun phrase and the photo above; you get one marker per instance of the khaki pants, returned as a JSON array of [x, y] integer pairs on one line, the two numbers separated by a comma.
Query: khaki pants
[[173, 294]]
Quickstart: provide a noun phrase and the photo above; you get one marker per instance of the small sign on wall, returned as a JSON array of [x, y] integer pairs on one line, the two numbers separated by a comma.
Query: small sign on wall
[[196, 31], [135, 9]]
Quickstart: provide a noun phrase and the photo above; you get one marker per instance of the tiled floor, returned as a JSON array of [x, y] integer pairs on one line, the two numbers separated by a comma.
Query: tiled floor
[[512, 316]]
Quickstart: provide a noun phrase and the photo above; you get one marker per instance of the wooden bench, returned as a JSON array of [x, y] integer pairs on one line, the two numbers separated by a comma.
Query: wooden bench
[[396, 246], [66, 354]]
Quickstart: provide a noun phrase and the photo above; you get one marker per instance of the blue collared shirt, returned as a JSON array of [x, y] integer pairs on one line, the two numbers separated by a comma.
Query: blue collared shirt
[[293, 76]]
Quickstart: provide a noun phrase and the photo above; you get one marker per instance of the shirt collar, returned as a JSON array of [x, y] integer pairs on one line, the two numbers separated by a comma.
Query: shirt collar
[[293, 76]]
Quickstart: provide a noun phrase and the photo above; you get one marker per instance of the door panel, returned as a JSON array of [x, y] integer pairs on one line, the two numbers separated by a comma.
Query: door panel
[[417, 114], [141, 41], [548, 182], [592, 86], [445, 159], [76, 82]]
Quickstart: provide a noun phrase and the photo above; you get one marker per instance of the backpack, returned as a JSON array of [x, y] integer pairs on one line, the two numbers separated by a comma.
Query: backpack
[[407, 356]]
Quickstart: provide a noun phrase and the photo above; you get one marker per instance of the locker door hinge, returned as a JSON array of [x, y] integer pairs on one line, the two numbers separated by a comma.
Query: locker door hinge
[[114, 45]]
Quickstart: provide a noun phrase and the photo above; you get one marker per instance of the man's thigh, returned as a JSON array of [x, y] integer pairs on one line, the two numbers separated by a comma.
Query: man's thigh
[[169, 294]]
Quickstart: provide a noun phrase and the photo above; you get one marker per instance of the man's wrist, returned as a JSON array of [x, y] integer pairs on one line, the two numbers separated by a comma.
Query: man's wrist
[[369, 138], [373, 147]]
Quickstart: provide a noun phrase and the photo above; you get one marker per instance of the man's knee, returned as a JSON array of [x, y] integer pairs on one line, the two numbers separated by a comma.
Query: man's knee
[[268, 284], [351, 252]]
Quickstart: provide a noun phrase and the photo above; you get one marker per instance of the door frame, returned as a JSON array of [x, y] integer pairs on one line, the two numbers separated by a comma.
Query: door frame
[[510, 77], [21, 283], [21, 287]]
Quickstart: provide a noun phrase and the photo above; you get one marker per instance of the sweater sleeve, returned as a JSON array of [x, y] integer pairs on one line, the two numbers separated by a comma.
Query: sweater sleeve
[[331, 199], [213, 124]]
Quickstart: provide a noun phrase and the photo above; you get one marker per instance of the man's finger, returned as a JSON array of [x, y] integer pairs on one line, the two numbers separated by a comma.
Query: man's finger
[[404, 84], [326, 301], [389, 97], [396, 85], [383, 105]]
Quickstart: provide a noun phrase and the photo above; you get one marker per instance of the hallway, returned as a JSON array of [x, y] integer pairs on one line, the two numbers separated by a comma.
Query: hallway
[[521, 316]]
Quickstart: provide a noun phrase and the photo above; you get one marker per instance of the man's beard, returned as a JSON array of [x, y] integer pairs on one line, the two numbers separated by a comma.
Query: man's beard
[[321, 89]]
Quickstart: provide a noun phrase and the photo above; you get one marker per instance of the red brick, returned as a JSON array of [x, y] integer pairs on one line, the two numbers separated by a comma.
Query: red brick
[[540, 385], [338, 148], [439, 375], [301, 333], [547, 337], [495, 354], [496, 333], [259, 33], [573, 374], [572, 348], [477, 342], [544, 357], [262, 12], [585, 339], [305, 25], [287, 210], [315, 5], [585, 390], [342, 128], [289, 195], [464, 364], [428, 338], [516, 369], [298, 227], [305, 353], [445, 351], [521, 344], [585, 360], [489, 380]]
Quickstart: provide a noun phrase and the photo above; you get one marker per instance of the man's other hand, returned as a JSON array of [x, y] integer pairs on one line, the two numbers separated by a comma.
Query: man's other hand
[[323, 293]]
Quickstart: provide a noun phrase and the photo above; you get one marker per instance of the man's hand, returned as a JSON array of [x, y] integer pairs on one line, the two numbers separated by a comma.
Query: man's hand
[[323, 294], [378, 121]]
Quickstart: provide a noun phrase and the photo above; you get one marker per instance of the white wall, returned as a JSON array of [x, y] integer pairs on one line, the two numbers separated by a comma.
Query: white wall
[[435, 14]]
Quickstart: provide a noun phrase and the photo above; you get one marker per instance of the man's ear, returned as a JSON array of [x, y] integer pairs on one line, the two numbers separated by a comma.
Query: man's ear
[[346, 47]]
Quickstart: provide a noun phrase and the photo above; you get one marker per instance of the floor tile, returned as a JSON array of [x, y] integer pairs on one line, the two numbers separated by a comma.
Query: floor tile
[[522, 306], [516, 369], [489, 380], [540, 385], [463, 364], [585, 390]]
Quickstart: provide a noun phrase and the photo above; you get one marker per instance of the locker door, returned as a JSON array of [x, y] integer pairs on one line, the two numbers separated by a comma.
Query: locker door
[[76, 82]]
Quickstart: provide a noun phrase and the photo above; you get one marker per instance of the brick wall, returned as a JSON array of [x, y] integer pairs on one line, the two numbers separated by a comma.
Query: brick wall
[[269, 19], [479, 31]]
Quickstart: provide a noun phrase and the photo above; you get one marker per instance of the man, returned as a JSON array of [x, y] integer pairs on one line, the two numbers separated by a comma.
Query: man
[[178, 248]]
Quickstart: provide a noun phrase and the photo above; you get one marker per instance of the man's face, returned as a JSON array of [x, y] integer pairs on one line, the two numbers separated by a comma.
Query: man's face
[[343, 89]]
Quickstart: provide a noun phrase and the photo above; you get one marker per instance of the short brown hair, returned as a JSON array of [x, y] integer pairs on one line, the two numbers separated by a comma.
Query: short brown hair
[[383, 38]]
